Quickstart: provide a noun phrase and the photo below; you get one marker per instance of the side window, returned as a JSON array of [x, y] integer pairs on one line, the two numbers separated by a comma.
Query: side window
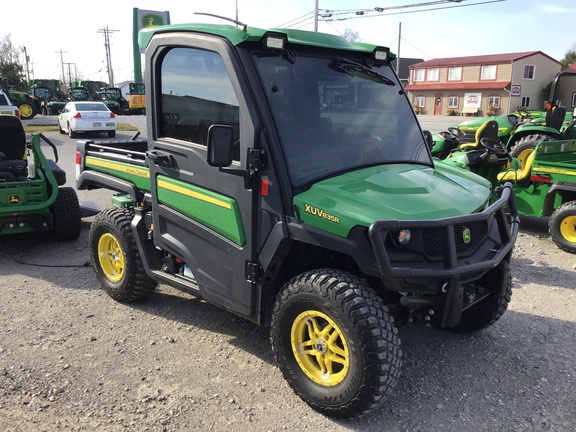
[[196, 94]]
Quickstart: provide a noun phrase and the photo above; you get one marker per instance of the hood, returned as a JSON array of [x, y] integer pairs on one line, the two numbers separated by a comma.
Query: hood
[[391, 192]]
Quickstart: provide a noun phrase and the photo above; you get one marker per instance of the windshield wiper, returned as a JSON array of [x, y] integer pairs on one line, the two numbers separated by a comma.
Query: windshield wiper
[[357, 69]]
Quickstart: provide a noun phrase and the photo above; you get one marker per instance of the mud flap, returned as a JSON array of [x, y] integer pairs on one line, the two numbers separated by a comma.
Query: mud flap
[[453, 301]]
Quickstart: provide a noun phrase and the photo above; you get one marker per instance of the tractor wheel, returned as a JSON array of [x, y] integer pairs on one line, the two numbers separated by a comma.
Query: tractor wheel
[[562, 226], [526, 145], [335, 343], [115, 257], [489, 310], [71, 133], [27, 111], [67, 222]]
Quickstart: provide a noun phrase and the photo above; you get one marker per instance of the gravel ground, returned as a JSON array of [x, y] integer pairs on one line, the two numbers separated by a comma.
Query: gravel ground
[[72, 359]]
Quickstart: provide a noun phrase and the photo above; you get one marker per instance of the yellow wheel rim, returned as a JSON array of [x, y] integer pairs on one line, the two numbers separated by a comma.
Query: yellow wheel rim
[[568, 228], [111, 258], [320, 348], [25, 110]]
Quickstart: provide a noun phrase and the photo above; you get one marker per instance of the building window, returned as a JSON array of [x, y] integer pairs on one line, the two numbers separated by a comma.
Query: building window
[[529, 72], [488, 72], [453, 102], [421, 101], [433, 74], [494, 101], [526, 102], [455, 74], [573, 100], [418, 75]]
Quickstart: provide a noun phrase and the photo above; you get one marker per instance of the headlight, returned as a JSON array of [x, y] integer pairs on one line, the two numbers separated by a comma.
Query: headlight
[[404, 237]]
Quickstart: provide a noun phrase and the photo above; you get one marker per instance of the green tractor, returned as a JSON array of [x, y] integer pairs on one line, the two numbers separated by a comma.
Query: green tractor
[[523, 129], [46, 101], [24, 102], [544, 181]]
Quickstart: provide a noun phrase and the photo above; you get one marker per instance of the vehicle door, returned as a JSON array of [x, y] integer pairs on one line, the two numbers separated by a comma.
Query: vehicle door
[[202, 214]]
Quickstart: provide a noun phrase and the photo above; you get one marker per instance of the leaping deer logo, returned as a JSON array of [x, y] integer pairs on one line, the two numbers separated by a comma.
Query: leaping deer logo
[[14, 199]]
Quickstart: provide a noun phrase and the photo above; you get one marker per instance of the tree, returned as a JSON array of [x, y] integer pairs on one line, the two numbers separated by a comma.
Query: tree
[[11, 68], [569, 57], [351, 35]]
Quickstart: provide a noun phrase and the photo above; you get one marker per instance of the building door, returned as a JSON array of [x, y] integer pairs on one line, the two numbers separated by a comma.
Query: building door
[[438, 104]]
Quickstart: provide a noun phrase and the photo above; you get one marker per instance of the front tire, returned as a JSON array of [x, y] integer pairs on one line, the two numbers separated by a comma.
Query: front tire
[[562, 226], [27, 111], [67, 220], [115, 257], [335, 343], [489, 310]]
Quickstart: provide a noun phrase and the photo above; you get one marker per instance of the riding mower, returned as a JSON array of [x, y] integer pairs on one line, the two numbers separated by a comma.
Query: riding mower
[[519, 132], [544, 181], [32, 195]]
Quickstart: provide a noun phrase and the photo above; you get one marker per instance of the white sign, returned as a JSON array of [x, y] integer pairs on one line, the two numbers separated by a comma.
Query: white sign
[[472, 100], [515, 90]]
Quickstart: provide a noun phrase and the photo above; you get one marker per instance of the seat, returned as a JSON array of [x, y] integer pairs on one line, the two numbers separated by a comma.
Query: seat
[[522, 175], [12, 138], [555, 117], [13, 164], [488, 130]]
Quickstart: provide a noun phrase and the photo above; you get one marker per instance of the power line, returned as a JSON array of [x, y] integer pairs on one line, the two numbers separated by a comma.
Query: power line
[[289, 23], [364, 15]]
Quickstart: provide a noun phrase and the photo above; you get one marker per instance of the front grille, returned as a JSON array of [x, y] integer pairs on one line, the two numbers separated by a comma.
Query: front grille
[[432, 238]]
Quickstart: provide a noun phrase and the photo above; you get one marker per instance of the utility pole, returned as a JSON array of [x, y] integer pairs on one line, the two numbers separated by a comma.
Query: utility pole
[[106, 33], [316, 15], [70, 74], [62, 64], [27, 60]]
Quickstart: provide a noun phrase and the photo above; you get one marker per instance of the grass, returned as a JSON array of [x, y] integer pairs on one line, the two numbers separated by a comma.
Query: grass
[[54, 128]]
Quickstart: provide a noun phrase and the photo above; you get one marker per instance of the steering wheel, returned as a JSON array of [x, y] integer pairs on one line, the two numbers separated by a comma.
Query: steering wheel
[[493, 146], [523, 113]]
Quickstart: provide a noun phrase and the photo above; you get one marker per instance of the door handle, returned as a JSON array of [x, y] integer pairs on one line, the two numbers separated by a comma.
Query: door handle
[[159, 157]]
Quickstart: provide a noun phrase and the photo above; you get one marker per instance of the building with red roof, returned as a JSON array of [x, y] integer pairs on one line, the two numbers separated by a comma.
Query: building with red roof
[[481, 85]]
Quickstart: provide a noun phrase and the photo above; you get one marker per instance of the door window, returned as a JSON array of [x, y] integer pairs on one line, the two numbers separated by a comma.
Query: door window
[[196, 93]]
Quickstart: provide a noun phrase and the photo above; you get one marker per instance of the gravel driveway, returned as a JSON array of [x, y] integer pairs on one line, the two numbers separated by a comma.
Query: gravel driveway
[[72, 359]]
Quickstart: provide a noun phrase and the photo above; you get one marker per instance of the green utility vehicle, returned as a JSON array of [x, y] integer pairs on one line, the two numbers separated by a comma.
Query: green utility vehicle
[[331, 227], [32, 193]]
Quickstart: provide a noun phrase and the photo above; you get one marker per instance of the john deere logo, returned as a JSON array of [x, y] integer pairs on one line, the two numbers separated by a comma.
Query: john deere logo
[[14, 199], [466, 235], [152, 20]]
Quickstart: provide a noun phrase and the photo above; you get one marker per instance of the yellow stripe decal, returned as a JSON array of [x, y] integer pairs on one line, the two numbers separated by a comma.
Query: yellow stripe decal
[[554, 171], [125, 168], [184, 191]]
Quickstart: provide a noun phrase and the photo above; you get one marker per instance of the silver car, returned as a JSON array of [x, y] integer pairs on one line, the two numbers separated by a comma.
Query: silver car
[[86, 116]]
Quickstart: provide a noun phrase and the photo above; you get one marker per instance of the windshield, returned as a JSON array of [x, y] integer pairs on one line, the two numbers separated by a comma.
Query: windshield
[[336, 114]]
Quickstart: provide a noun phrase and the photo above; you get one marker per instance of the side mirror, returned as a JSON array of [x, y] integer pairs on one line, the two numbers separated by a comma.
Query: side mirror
[[429, 139], [220, 144]]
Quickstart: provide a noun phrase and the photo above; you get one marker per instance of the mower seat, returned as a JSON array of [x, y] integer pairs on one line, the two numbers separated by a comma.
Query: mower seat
[[522, 174], [488, 130], [13, 162]]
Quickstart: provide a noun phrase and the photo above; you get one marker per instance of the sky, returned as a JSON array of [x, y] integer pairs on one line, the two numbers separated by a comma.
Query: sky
[[443, 29]]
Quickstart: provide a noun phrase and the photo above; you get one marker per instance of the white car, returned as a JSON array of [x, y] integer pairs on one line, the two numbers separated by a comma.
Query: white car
[[86, 116]]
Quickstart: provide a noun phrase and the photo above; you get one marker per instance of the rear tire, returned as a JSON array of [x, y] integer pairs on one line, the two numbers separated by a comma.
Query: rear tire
[[67, 221], [71, 133], [526, 145], [27, 111], [562, 226], [111, 134], [335, 343], [488, 311], [115, 257]]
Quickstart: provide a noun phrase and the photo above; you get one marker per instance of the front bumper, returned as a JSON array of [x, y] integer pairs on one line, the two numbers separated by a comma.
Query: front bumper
[[452, 263]]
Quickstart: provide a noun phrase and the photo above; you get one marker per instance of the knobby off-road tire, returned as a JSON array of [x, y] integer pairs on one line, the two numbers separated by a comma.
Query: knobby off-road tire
[[66, 217], [526, 145], [115, 256], [335, 343], [27, 111], [562, 226], [488, 311]]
